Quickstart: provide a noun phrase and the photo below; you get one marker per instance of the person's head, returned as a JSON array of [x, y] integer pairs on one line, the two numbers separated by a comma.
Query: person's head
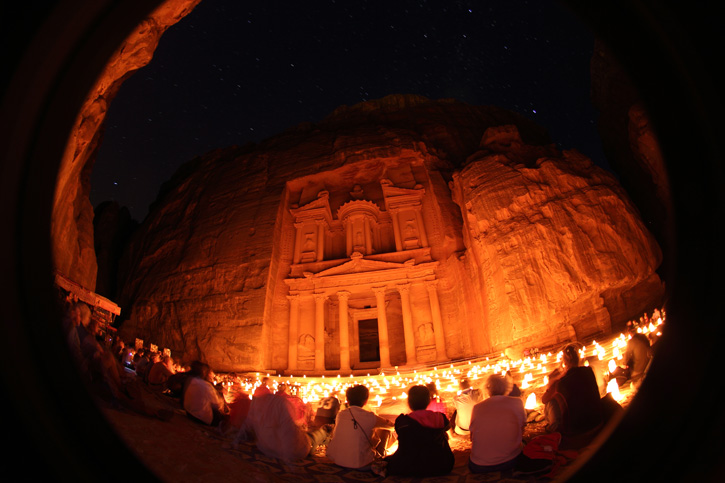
[[155, 357], [571, 356], [84, 312], [357, 395], [200, 370], [432, 389], [418, 398], [93, 327], [497, 385], [464, 384], [74, 314]]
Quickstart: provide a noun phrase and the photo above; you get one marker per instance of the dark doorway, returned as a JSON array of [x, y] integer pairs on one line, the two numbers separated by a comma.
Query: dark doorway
[[368, 337]]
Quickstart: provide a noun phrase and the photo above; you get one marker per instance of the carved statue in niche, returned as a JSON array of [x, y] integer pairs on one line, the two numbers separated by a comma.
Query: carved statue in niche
[[306, 346], [425, 334], [411, 238], [309, 248], [357, 192], [309, 242], [359, 242], [411, 232]]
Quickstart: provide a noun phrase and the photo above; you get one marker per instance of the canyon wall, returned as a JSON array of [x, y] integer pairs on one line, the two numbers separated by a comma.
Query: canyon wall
[[72, 220], [522, 245]]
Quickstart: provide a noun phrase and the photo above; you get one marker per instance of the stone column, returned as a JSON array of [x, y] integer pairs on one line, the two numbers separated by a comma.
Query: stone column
[[298, 243], [422, 236], [408, 325], [348, 237], [396, 232], [383, 339], [294, 317], [320, 241], [368, 241], [435, 310], [320, 331], [344, 332]]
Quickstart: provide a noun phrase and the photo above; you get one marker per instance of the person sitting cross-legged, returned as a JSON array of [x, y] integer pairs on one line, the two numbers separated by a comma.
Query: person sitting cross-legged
[[497, 425], [423, 448], [355, 439]]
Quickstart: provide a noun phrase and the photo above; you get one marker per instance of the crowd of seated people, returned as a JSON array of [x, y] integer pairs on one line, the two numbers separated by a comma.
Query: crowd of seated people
[[283, 426]]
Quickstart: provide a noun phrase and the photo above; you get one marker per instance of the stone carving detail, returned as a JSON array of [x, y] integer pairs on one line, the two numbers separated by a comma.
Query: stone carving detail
[[527, 243], [360, 220]]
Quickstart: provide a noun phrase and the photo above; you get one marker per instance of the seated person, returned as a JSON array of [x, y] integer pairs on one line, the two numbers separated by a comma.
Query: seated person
[[160, 372], [497, 424], [302, 412], [154, 357], [177, 382], [423, 448], [238, 410], [201, 401], [263, 388], [435, 399], [464, 402], [270, 421], [572, 400], [354, 442], [637, 356], [327, 410]]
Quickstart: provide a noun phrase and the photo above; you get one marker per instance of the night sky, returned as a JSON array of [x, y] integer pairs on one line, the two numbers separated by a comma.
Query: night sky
[[232, 72]]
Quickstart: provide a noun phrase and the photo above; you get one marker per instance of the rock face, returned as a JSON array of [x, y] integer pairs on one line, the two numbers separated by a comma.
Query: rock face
[[554, 247], [397, 231], [72, 221], [629, 140], [112, 228]]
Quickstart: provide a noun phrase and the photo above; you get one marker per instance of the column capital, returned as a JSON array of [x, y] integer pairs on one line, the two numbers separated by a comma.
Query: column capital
[[320, 297], [293, 298], [403, 288], [379, 290], [431, 284], [343, 295]]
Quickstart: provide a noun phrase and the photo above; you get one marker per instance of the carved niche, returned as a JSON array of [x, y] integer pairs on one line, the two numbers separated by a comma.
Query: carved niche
[[405, 207], [312, 221], [360, 221]]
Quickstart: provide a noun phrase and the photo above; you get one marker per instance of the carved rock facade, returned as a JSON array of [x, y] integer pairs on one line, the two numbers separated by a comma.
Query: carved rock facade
[[395, 232]]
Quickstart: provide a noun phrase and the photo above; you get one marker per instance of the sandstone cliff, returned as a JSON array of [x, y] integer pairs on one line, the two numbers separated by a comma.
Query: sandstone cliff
[[630, 142], [72, 220], [529, 245]]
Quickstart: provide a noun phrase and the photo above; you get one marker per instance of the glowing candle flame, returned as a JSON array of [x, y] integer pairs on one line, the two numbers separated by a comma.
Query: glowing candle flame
[[612, 366], [531, 401], [613, 388]]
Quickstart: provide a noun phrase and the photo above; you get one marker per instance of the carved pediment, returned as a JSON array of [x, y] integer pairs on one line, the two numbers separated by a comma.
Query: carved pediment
[[359, 264]]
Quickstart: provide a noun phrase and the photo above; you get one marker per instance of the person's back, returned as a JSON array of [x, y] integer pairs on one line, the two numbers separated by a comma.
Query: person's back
[[583, 407], [497, 425], [464, 403], [637, 355], [270, 420], [200, 400], [423, 448], [352, 439], [159, 374]]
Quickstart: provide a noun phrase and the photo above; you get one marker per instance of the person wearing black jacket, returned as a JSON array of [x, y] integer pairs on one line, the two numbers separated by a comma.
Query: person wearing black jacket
[[423, 448]]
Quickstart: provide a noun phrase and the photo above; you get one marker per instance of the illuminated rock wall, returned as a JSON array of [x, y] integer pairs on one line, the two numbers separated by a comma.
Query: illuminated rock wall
[[72, 221], [468, 239], [557, 248]]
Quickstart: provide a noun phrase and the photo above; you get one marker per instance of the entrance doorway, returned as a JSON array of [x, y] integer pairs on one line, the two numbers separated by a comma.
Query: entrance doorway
[[368, 340]]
